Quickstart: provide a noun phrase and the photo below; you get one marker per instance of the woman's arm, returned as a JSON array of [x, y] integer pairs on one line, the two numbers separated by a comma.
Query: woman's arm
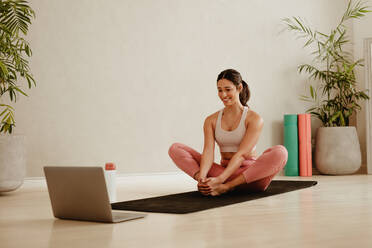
[[207, 158], [249, 140]]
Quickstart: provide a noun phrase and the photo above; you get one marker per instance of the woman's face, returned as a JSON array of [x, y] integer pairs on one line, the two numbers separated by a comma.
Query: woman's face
[[227, 92]]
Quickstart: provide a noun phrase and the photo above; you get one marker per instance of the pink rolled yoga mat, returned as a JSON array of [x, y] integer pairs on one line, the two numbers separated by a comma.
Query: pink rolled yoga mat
[[304, 145]]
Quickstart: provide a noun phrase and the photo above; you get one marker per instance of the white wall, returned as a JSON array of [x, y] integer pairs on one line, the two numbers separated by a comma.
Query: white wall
[[122, 80]]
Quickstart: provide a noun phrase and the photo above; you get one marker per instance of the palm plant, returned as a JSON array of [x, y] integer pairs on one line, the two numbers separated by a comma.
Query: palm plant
[[339, 97], [15, 17]]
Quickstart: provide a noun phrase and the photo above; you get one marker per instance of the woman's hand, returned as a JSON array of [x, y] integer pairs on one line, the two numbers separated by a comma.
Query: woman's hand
[[202, 185], [203, 188]]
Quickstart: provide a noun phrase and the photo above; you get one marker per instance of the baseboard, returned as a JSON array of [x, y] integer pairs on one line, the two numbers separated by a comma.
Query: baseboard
[[151, 174], [124, 175], [34, 178]]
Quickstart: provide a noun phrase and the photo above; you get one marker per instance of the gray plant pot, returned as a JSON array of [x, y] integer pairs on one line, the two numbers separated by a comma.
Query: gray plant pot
[[12, 162], [337, 150]]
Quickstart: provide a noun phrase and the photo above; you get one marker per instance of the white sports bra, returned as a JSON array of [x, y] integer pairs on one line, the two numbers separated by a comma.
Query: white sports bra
[[229, 141]]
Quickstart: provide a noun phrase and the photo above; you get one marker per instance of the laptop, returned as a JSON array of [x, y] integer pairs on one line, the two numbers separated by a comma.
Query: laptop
[[80, 193]]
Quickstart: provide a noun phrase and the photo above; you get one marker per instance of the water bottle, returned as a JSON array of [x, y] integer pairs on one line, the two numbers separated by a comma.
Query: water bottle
[[110, 176]]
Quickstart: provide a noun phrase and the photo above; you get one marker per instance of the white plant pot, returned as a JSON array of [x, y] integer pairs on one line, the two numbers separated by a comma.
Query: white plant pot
[[337, 150], [12, 162]]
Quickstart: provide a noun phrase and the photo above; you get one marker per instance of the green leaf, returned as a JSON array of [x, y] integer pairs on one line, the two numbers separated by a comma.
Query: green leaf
[[342, 119], [20, 91], [311, 109], [3, 112], [6, 116], [11, 94], [334, 116], [4, 69], [6, 127], [5, 105], [312, 91]]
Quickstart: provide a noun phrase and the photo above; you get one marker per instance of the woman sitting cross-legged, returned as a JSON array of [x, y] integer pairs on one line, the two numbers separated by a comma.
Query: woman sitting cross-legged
[[236, 129]]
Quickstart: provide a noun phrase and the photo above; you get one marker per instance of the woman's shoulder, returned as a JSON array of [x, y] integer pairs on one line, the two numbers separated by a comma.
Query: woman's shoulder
[[212, 118], [252, 116]]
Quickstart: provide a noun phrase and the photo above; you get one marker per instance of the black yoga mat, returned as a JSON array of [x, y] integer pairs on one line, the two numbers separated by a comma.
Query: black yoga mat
[[193, 201]]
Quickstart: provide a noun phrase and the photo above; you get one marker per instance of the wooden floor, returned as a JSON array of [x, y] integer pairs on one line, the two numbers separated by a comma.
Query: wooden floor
[[335, 213]]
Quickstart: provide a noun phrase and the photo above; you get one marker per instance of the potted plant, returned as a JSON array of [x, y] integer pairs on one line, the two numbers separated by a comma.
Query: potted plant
[[337, 149], [15, 17]]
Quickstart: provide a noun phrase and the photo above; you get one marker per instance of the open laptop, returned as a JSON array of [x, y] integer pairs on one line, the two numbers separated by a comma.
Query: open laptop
[[80, 193]]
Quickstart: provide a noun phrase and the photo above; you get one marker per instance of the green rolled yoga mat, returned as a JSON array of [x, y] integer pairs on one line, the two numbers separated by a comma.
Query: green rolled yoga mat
[[291, 143]]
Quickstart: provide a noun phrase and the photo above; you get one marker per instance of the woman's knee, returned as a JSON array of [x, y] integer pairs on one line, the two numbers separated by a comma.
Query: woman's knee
[[279, 152], [174, 148], [182, 150]]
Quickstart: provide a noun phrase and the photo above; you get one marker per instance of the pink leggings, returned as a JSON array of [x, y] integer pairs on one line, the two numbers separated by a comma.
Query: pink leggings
[[258, 172]]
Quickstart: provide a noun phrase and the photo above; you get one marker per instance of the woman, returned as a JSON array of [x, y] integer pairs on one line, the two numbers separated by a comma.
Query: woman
[[236, 129]]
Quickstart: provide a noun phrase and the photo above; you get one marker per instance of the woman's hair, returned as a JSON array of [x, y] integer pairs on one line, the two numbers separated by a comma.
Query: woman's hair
[[235, 77]]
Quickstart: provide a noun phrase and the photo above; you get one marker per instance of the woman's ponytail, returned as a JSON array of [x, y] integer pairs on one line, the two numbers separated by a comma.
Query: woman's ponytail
[[245, 94]]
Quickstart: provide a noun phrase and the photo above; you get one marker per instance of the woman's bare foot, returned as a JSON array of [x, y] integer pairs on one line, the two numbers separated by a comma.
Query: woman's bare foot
[[217, 187], [213, 182], [222, 188]]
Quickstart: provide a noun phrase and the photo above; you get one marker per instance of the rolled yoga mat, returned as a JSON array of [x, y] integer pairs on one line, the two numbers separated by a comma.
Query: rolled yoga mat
[[291, 143], [304, 145], [194, 201]]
